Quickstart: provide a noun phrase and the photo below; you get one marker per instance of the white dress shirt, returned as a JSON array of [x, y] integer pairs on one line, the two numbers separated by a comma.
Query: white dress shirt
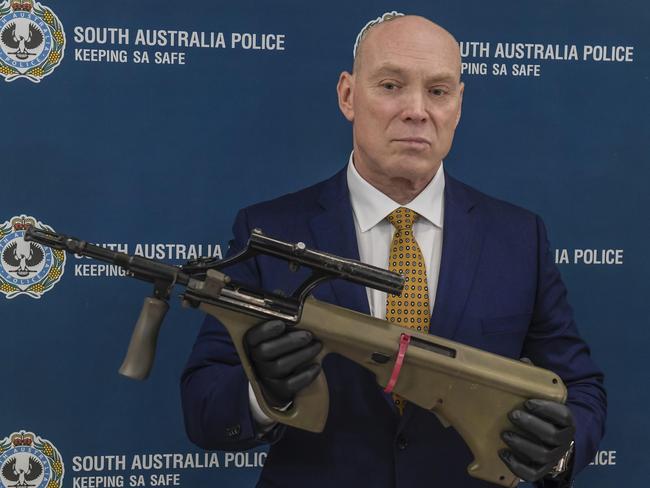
[[370, 207], [375, 234]]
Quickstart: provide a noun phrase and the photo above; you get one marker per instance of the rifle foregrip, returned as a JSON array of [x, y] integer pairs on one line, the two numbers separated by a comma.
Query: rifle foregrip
[[142, 349]]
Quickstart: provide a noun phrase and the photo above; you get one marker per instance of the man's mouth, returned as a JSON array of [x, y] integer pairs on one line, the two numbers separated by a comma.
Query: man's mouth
[[414, 141]]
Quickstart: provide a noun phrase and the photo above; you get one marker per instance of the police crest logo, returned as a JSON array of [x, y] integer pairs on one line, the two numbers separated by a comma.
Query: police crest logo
[[27, 460], [32, 40], [27, 268]]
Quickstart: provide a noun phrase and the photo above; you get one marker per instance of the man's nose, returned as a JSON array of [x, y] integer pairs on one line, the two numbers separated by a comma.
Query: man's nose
[[415, 109]]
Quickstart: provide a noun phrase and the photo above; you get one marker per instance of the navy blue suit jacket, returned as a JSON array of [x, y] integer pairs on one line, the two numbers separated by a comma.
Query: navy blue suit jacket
[[498, 290]]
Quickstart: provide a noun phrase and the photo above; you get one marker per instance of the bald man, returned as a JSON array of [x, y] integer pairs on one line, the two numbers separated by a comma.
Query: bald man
[[478, 271], [404, 100]]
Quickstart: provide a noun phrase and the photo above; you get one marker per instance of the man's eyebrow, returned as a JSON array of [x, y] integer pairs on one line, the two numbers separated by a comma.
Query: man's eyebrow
[[391, 69]]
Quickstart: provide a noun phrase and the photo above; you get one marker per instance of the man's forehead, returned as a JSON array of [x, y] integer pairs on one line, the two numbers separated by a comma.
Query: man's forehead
[[423, 57], [413, 38], [410, 33]]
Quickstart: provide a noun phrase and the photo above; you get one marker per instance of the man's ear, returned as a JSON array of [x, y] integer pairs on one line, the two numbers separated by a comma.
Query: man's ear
[[460, 103], [345, 91]]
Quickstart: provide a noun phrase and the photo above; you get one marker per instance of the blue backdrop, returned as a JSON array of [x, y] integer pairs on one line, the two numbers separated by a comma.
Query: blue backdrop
[[100, 144]]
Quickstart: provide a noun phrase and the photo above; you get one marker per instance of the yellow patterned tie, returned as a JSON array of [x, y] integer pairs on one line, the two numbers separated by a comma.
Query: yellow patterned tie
[[411, 307]]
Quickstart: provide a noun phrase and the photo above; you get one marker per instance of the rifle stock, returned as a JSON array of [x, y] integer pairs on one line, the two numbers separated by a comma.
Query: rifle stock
[[471, 389]]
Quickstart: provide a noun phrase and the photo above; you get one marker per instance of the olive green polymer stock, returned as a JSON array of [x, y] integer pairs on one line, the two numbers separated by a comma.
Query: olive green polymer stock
[[469, 389]]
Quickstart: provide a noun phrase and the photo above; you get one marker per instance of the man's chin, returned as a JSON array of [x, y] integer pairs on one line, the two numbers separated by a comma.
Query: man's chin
[[416, 165]]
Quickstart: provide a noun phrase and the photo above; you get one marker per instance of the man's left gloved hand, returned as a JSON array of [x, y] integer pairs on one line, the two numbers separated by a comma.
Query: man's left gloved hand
[[547, 429]]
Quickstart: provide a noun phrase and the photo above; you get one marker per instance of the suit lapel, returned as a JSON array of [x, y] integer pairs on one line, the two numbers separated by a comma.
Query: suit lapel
[[461, 248], [333, 232]]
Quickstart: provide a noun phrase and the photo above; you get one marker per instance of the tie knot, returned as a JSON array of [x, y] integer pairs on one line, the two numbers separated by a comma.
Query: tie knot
[[402, 218]]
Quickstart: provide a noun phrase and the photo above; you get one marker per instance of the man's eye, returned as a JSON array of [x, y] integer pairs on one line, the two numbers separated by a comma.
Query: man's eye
[[438, 92], [389, 86]]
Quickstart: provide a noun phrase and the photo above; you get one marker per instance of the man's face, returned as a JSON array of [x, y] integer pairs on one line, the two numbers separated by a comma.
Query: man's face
[[404, 100]]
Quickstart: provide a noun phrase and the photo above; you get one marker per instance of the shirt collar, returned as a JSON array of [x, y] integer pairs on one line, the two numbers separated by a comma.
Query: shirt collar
[[371, 206]]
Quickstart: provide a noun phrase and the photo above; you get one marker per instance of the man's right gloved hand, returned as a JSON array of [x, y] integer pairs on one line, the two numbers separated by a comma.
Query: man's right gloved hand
[[283, 359]]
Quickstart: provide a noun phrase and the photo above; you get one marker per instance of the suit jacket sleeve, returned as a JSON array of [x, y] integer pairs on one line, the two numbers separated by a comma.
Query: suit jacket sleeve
[[214, 387], [553, 342]]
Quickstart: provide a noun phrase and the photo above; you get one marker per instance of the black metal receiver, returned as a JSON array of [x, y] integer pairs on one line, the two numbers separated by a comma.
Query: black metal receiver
[[205, 283]]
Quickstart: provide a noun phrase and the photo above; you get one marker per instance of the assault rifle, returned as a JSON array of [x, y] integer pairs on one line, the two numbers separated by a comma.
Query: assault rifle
[[468, 388]]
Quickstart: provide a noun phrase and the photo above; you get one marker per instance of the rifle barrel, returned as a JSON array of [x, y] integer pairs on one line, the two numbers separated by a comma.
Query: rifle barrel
[[142, 268]]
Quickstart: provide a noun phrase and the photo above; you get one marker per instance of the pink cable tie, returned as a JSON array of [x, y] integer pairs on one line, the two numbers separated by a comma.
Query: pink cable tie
[[404, 341]]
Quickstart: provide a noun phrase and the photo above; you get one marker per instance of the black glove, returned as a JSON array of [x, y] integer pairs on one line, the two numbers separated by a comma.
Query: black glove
[[283, 359], [547, 429]]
